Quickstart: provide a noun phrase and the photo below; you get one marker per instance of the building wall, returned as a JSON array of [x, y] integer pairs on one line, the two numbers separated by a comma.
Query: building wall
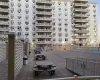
[[93, 23], [62, 22], [21, 17]]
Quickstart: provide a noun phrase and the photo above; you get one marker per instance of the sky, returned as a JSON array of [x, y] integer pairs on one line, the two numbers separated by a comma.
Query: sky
[[98, 2]]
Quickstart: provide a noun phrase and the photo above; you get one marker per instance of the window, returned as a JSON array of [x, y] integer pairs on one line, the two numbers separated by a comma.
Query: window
[[54, 34], [60, 34], [26, 0], [59, 14], [12, 10], [12, 22], [66, 24], [19, 23], [94, 6], [65, 14], [12, 16], [59, 29], [65, 4], [59, 24], [66, 39], [33, 1], [59, 19], [19, 10], [53, 24], [12, 4], [66, 34], [26, 28], [26, 17], [54, 39], [26, 22], [19, 33], [65, 19], [54, 29], [33, 28], [27, 11], [59, 3], [26, 5], [59, 9], [65, 9], [60, 39], [19, 17], [19, 4], [19, 28], [66, 30]]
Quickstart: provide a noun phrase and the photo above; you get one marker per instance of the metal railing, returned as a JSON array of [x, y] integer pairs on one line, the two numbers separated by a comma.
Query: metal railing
[[77, 78], [84, 67]]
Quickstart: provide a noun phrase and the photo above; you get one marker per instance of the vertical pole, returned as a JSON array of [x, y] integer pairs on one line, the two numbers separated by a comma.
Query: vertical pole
[[11, 56]]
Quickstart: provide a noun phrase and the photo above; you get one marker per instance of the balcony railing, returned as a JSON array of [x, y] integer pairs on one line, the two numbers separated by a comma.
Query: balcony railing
[[80, 4], [44, 1], [82, 36], [81, 26], [81, 15], [44, 18], [80, 31], [81, 20], [3, 29], [44, 30], [44, 7], [44, 13], [43, 42], [4, 3], [4, 10], [43, 36], [81, 10], [4, 23], [43, 24], [4, 16]]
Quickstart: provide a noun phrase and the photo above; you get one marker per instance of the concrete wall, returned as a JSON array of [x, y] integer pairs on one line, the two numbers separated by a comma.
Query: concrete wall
[[2, 52], [18, 56]]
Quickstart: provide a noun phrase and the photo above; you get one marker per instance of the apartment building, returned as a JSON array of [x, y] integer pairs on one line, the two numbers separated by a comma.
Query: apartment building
[[93, 22], [73, 23], [21, 18], [43, 23], [4, 18], [55, 22]]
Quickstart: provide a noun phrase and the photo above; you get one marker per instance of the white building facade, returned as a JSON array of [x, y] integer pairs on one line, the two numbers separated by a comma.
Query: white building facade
[[21, 18], [4, 20], [58, 23]]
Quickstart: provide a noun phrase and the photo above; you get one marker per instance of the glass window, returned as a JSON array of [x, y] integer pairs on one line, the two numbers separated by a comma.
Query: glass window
[[60, 34]]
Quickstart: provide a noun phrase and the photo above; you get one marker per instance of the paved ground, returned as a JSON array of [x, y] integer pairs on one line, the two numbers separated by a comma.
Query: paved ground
[[58, 58]]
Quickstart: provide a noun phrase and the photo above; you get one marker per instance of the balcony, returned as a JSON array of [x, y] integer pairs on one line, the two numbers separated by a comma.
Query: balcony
[[44, 7], [4, 4], [43, 36], [81, 4], [81, 26], [82, 36], [43, 13], [81, 31], [4, 23], [81, 20], [44, 18], [4, 10], [43, 42], [81, 15], [43, 30], [3, 29], [44, 2], [81, 10], [44, 24], [4, 16]]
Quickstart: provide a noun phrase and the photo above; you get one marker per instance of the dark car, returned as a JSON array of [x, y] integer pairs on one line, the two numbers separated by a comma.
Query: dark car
[[40, 57]]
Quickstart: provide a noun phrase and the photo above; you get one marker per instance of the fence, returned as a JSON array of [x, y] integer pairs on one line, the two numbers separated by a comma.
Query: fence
[[18, 56], [2, 52], [84, 67]]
